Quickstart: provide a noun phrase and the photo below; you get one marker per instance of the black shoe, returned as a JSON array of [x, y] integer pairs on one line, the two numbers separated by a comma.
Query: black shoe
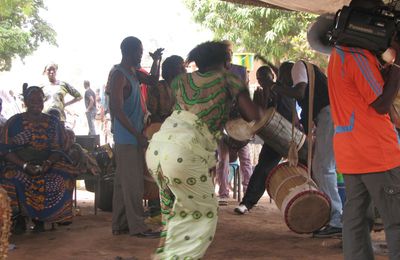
[[148, 234], [328, 232], [120, 232], [38, 226], [65, 223]]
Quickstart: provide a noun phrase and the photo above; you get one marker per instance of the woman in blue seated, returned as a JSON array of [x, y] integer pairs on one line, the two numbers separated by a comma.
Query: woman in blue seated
[[37, 178]]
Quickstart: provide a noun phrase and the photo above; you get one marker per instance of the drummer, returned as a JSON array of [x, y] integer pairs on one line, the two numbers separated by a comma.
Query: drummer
[[293, 82], [224, 150], [268, 157], [160, 101]]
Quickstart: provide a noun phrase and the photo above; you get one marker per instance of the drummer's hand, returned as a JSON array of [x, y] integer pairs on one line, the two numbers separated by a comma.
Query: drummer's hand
[[142, 140], [259, 97]]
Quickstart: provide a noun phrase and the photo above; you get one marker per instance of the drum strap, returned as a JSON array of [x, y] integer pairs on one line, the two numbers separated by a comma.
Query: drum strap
[[311, 85], [293, 156]]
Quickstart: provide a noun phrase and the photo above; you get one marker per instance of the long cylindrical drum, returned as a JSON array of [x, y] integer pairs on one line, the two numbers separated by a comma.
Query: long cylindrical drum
[[151, 129], [303, 206], [151, 191], [276, 131]]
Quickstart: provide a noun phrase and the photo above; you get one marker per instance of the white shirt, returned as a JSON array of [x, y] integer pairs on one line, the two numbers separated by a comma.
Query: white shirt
[[299, 73]]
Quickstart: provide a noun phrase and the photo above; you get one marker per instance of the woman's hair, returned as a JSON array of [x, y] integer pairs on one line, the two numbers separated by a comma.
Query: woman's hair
[[27, 91], [209, 54], [170, 65], [51, 64]]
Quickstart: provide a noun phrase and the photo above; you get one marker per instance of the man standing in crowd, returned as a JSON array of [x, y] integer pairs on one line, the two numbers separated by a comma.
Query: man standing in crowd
[[128, 122], [90, 103], [294, 82], [366, 143]]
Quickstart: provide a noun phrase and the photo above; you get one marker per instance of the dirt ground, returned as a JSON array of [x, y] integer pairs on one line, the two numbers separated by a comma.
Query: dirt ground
[[261, 234]]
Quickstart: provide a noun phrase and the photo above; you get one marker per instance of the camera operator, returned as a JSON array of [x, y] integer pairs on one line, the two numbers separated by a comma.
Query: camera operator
[[366, 144]]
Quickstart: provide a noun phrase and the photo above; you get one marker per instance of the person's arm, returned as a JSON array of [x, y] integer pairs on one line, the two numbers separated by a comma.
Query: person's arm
[[155, 67], [91, 103], [300, 81], [118, 83], [297, 92], [383, 103], [152, 78], [247, 108], [73, 92]]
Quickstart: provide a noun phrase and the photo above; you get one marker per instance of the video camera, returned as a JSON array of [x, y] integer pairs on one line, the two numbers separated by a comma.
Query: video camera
[[367, 29]]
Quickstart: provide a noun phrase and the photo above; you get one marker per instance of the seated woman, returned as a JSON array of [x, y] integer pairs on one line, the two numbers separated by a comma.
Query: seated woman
[[37, 178]]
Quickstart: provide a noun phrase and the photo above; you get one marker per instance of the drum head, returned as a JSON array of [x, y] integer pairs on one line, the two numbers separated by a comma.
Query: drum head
[[307, 212], [239, 129], [267, 116]]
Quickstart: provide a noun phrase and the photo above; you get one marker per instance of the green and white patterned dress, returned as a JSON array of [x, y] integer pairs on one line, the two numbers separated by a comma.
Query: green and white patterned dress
[[180, 156]]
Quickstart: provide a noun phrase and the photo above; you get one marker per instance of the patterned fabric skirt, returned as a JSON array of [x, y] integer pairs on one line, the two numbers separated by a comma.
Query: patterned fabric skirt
[[179, 158], [46, 197]]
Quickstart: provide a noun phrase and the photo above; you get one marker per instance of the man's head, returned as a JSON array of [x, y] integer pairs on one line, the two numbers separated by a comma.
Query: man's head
[[265, 76], [86, 84], [132, 51], [366, 4], [285, 73], [229, 49]]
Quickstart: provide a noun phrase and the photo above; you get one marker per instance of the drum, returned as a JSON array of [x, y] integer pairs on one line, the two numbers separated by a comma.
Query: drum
[[276, 132], [239, 134], [234, 144], [104, 155], [152, 129], [304, 207], [5, 222], [151, 191]]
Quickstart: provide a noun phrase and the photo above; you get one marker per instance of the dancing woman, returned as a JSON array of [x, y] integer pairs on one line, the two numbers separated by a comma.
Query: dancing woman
[[182, 152]]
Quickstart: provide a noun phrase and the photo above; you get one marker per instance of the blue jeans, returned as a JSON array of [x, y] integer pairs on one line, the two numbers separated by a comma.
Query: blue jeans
[[324, 165], [90, 118]]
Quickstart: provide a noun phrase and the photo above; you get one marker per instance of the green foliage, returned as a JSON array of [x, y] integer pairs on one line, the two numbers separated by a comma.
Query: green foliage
[[277, 35], [22, 30]]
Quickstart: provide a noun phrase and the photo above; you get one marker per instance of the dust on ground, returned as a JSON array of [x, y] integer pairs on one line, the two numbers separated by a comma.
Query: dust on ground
[[261, 234]]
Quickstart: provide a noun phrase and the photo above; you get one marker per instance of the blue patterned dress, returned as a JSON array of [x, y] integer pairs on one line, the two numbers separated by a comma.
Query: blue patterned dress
[[47, 196]]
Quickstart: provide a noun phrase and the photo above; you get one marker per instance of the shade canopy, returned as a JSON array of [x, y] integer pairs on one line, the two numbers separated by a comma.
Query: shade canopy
[[311, 6]]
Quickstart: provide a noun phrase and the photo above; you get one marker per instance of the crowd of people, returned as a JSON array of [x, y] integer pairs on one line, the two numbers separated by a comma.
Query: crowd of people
[[349, 119]]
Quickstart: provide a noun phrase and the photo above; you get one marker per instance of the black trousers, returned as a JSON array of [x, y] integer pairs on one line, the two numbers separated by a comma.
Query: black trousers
[[267, 160]]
